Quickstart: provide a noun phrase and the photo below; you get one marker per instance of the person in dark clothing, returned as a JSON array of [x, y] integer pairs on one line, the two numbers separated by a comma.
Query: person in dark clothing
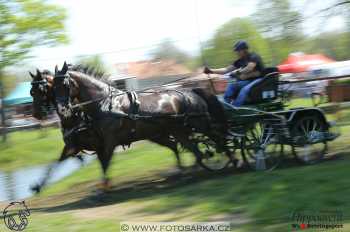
[[247, 69]]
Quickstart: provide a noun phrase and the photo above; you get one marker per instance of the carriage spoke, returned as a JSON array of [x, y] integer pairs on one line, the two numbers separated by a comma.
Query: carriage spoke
[[258, 152], [307, 128], [212, 159]]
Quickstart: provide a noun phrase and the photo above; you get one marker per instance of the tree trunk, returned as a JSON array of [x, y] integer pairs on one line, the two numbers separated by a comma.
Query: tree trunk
[[2, 111]]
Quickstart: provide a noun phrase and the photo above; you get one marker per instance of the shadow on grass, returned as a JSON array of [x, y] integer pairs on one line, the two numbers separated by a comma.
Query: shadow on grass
[[138, 189]]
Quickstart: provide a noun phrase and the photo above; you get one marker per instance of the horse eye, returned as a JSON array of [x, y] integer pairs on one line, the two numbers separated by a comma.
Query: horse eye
[[31, 92]]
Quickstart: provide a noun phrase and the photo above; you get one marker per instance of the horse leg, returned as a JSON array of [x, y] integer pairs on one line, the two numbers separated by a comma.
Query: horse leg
[[184, 139], [216, 134], [105, 157], [80, 158], [172, 145], [66, 153]]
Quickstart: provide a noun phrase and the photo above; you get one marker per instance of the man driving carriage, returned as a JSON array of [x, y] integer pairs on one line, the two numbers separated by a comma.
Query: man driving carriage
[[247, 70]]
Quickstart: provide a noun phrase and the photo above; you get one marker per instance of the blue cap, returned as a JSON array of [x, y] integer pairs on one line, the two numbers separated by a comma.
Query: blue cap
[[240, 45]]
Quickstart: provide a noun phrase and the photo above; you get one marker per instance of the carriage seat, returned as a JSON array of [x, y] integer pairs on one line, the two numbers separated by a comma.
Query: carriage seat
[[265, 90]]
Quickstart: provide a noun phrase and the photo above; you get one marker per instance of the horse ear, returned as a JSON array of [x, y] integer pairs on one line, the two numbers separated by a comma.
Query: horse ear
[[56, 69], [31, 74], [65, 67], [38, 73]]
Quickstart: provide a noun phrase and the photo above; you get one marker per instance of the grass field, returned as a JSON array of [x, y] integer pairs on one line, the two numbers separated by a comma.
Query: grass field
[[147, 187], [27, 148]]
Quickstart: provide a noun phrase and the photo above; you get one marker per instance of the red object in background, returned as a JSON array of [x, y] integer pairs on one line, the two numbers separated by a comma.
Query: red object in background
[[299, 62]]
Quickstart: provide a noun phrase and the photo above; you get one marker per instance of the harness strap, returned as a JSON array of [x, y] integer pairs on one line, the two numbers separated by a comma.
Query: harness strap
[[134, 104]]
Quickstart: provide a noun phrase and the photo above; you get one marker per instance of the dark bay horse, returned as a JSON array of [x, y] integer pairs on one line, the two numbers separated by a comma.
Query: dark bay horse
[[43, 99], [78, 136], [120, 118]]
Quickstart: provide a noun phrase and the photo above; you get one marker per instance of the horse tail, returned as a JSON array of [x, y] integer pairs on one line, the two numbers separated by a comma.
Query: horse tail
[[215, 108]]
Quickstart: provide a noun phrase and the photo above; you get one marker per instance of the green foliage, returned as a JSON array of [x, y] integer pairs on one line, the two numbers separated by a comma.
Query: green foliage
[[274, 31], [9, 82], [168, 50], [275, 19], [332, 44], [27, 24], [27, 148], [218, 50], [94, 61]]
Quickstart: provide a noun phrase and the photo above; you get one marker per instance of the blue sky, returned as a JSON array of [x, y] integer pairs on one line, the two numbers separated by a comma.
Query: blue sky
[[125, 30]]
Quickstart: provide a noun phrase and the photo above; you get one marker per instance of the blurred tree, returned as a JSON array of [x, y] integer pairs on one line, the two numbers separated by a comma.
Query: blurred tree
[[25, 25], [333, 44], [9, 80], [95, 62], [337, 8], [167, 50], [277, 21], [218, 51]]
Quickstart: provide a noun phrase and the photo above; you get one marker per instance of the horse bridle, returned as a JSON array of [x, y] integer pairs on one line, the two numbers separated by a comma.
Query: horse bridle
[[43, 86], [64, 103], [67, 101]]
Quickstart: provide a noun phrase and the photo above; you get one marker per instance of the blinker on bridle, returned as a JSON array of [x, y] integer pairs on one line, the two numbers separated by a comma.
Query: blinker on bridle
[[42, 84], [65, 100], [65, 77]]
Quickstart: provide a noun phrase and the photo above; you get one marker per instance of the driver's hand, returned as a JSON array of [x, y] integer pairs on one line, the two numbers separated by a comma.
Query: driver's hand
[[235, 73], [207, 70]]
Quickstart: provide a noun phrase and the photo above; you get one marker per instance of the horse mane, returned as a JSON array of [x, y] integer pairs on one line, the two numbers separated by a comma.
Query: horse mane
[[47, 72], [93, 75], [90, 71]]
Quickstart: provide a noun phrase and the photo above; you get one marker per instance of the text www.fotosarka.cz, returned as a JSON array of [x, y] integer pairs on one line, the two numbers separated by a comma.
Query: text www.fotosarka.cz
[[175, 226]]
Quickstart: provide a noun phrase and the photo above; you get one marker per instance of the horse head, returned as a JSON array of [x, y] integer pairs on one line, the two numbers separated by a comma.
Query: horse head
[[42, 93], [65, 90], [81, 85]]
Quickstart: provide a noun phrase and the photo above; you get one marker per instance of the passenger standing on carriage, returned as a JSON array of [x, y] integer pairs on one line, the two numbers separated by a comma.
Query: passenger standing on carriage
[[247, 69]]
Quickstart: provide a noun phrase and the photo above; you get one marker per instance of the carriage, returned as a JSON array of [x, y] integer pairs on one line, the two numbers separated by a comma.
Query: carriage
[[264, 131]]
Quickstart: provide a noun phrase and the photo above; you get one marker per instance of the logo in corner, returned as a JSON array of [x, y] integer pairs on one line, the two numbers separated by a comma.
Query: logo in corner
[[15, 215]]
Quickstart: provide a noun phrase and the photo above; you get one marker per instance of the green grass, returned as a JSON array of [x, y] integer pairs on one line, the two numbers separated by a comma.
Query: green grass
[[27, 148], [254, 201], [257, 201], [145, 159], [299, 102]]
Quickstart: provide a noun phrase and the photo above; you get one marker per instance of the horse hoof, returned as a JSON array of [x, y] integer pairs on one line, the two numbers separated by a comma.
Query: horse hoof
[[106, 186]]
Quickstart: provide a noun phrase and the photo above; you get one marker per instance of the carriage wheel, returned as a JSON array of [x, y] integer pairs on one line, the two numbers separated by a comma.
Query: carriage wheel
[[214, 159], [304, 128], [260, 150]]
